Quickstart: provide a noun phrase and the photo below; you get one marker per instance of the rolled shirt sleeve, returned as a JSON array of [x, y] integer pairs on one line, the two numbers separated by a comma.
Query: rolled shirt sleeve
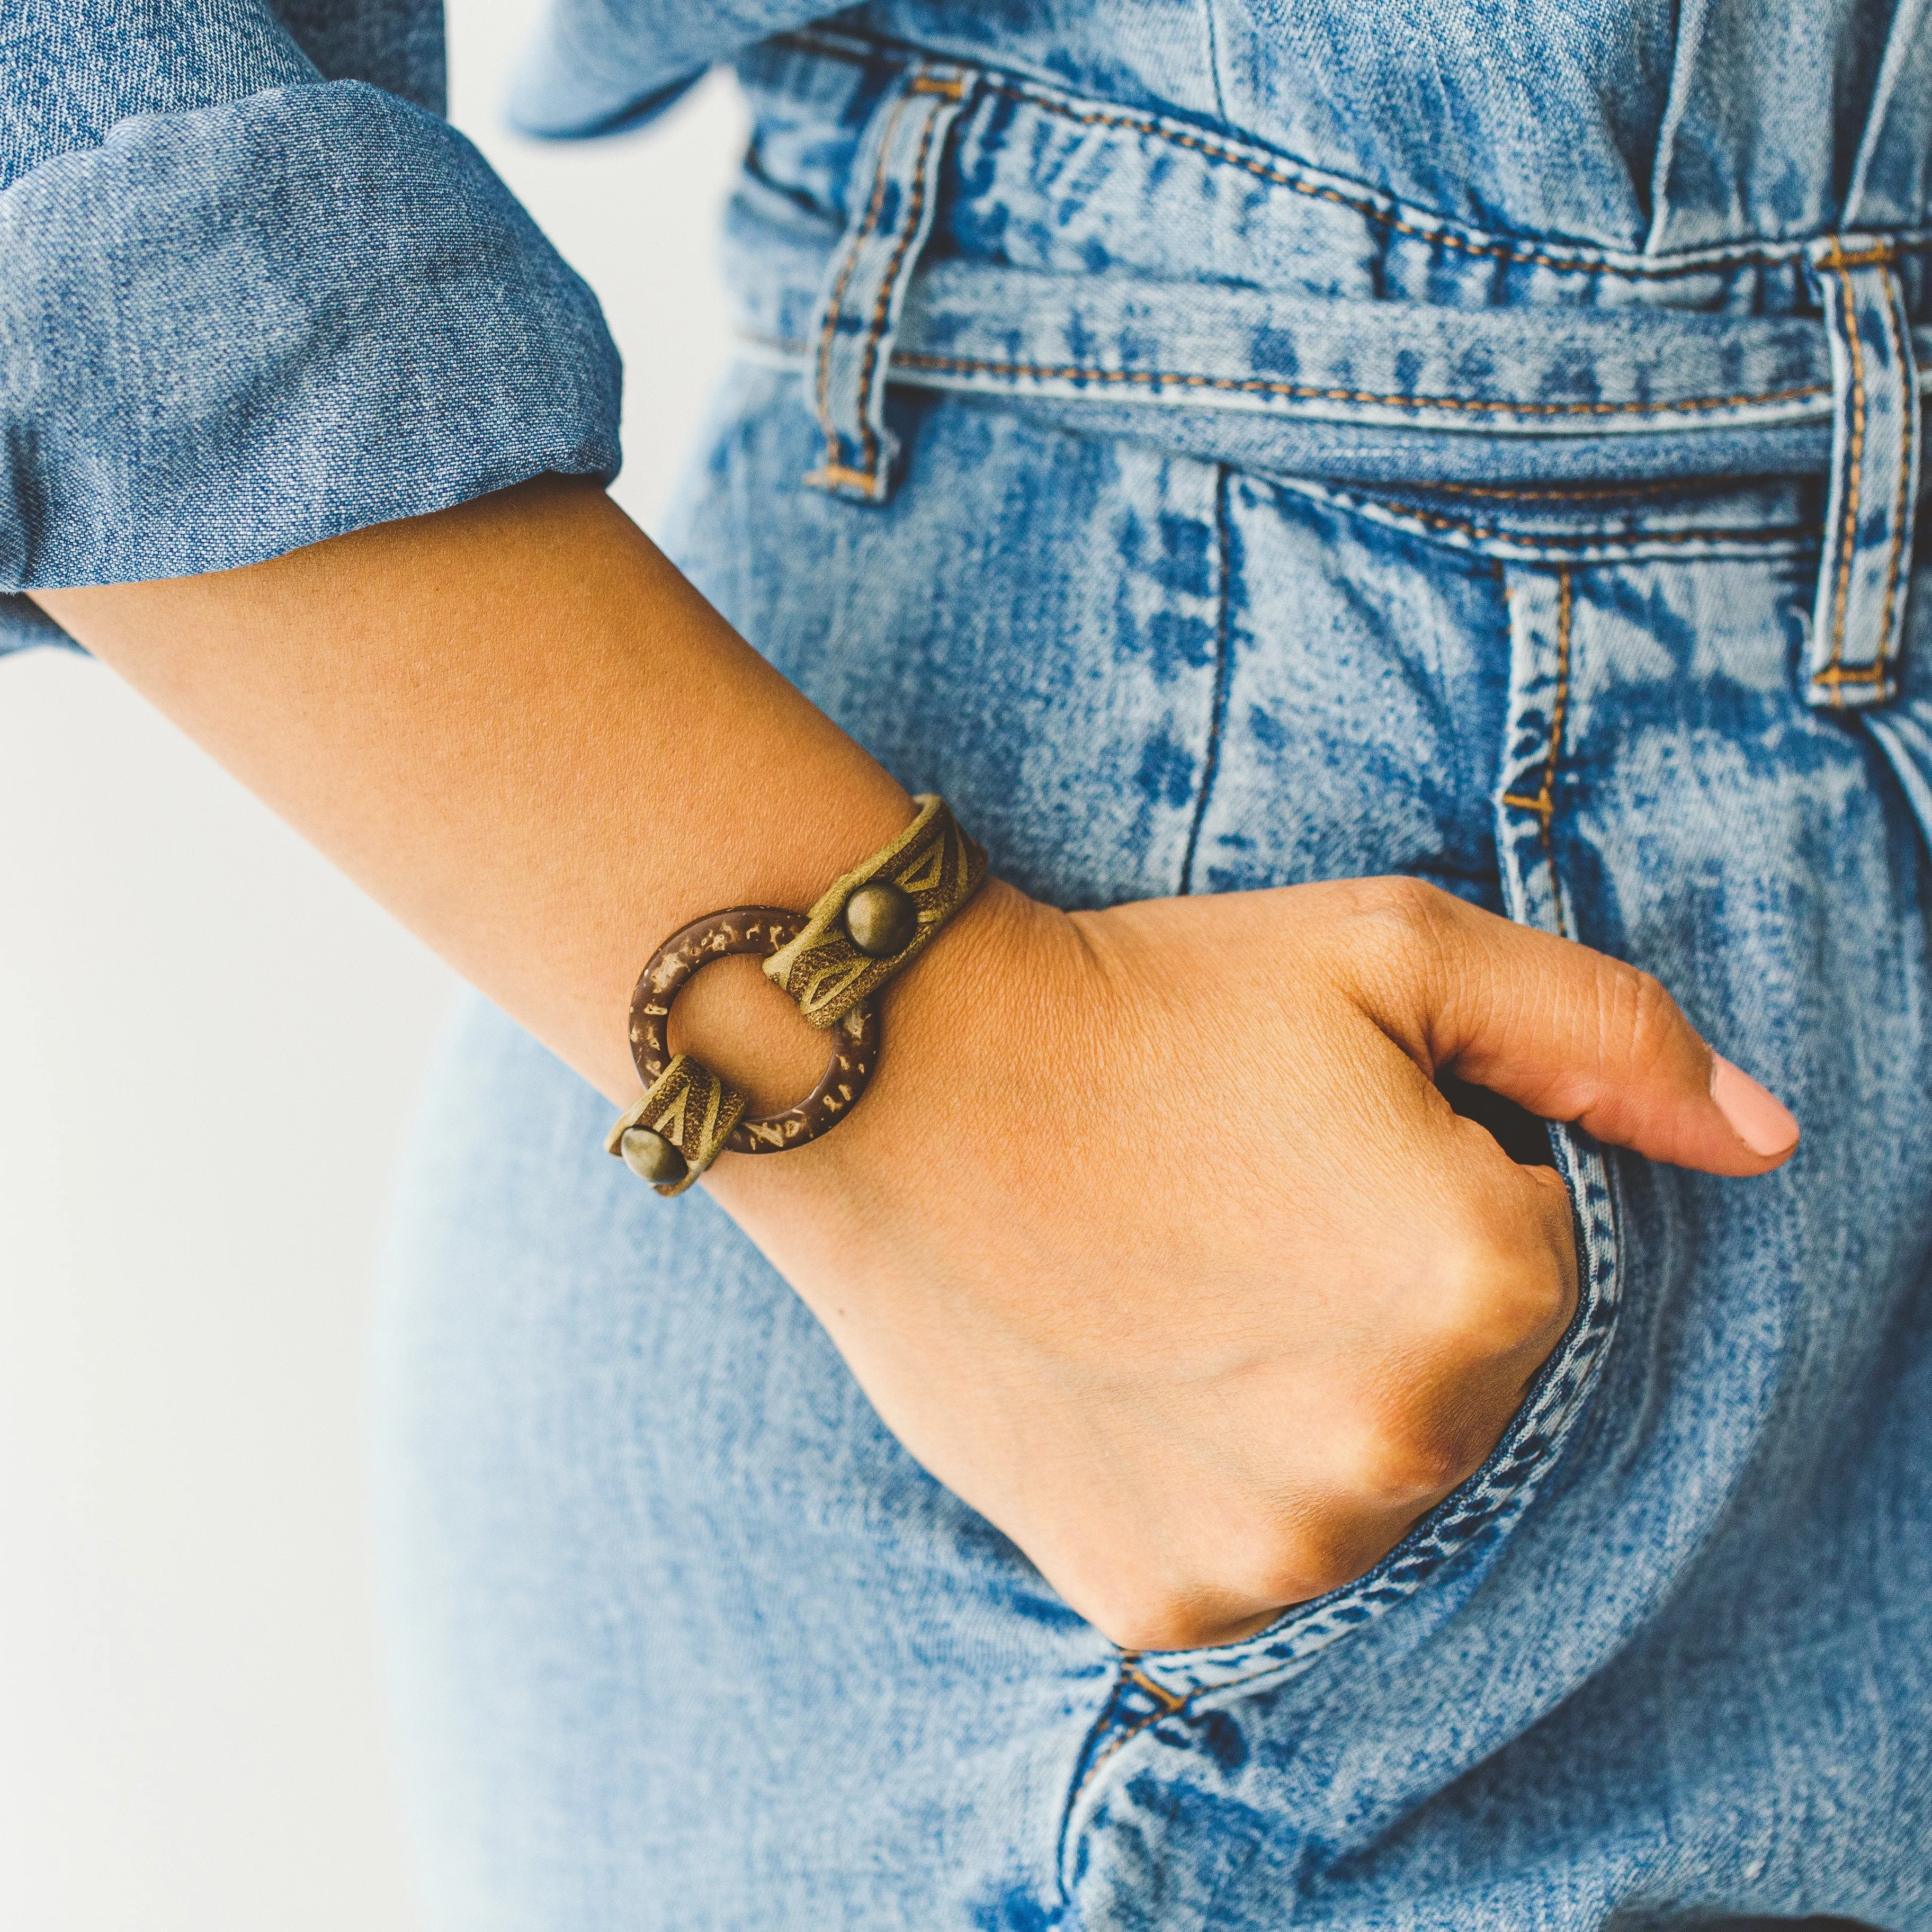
[[248, 301]]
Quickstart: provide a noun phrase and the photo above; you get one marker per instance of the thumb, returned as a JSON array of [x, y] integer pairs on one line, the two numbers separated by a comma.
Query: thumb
[[1573, 1035]]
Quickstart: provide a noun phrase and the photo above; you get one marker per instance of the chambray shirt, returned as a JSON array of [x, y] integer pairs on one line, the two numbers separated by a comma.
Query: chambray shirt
[[258, 292]]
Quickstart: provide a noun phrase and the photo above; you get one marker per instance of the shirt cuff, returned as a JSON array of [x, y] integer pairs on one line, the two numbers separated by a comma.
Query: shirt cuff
[[227, 333]]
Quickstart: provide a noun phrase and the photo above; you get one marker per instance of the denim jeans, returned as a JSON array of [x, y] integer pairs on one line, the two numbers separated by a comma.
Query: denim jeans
[[1197, 522]]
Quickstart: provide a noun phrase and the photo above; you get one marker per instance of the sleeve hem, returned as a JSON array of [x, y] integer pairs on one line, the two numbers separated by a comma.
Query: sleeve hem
[[227, 334]]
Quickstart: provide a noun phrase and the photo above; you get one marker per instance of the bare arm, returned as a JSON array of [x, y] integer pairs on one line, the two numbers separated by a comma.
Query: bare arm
[[1132, 1188], [518, 728]]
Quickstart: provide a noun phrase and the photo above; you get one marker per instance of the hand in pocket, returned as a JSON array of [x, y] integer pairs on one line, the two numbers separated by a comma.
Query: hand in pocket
[[1157, 1242]]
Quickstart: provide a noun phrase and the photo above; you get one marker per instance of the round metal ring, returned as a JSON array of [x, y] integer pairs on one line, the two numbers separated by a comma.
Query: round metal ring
[[760, 931]]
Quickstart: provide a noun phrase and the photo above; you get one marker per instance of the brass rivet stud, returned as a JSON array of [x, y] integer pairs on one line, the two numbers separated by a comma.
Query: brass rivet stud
[[881, 919], [650, 1156]]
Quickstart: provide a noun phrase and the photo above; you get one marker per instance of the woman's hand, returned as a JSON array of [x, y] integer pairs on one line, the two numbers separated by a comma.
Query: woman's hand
[[1155, 1241]]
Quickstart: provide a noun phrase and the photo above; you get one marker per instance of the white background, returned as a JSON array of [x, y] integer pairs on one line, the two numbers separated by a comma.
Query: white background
[[208, 1043]]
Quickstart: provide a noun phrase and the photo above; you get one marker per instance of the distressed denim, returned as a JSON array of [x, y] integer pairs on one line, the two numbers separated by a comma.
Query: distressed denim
[[1212, 476]]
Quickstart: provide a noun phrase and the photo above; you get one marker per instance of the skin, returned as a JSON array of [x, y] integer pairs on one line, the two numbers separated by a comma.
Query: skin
[[1154, 1239]]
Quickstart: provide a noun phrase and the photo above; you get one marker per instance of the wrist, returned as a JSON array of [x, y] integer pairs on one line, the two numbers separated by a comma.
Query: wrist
[[950, 1024], [837, 960], [730, 1016]]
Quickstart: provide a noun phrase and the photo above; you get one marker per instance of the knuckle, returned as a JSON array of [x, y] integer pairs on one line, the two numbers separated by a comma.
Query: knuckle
[[1335, 1553], [1154, 1624], [1492, 1298], [1411, 1460], [1176, 1620], [1296, 1565], [1163, 1600], [1318, 1576], [1265, 1560], [1407, 909], [1440, 1402], [1643, 1016], [1398, 921]]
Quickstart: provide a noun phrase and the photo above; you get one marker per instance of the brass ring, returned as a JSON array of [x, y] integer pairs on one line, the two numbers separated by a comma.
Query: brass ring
[[760, 931]]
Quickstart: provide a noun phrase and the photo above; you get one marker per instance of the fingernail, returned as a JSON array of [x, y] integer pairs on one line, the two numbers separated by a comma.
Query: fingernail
[[1758, 1118]]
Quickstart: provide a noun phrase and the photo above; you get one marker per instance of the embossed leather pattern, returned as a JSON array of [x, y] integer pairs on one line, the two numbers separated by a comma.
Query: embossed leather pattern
[[934, 863], [691, 1107], [719, 935]]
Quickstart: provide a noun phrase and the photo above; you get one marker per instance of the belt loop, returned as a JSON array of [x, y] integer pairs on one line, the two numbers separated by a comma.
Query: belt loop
[[852, 336], [1859, 620]]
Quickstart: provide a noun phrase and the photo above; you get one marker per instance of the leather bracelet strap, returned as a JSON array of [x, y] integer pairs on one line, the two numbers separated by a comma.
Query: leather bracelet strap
[[674, 1132], [879, 918], [870, 924], [679, 1127]]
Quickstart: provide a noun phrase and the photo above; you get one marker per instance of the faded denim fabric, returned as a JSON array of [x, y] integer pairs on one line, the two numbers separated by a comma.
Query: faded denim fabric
[[251, 300], [1220, 445]]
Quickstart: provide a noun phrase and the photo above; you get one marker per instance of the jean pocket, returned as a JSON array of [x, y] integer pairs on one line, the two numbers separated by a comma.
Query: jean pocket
[[1903, 732], [1453, 1547]]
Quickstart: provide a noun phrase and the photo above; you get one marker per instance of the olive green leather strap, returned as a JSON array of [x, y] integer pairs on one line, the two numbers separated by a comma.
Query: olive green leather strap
[[880, 916], [679, 1127]]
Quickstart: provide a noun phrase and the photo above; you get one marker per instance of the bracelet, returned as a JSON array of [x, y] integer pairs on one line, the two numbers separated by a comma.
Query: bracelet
[[863, 928]]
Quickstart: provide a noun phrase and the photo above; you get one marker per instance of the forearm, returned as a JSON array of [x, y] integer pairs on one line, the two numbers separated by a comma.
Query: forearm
[[516, 726]]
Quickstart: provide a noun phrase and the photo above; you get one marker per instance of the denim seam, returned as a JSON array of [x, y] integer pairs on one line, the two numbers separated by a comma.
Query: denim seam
[[965, 365], [1218, 703], [1781, 535], [1834, 673], [1902, 508], [1167, 1703], [1497, 250], [1544, 803], [1214, 60], [828, 334], [1557, 540], [1307, 392], [1559, 493], [1716, 261], [875, 332], [1173, 1704], [1555, 548], [1117, 1744]]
